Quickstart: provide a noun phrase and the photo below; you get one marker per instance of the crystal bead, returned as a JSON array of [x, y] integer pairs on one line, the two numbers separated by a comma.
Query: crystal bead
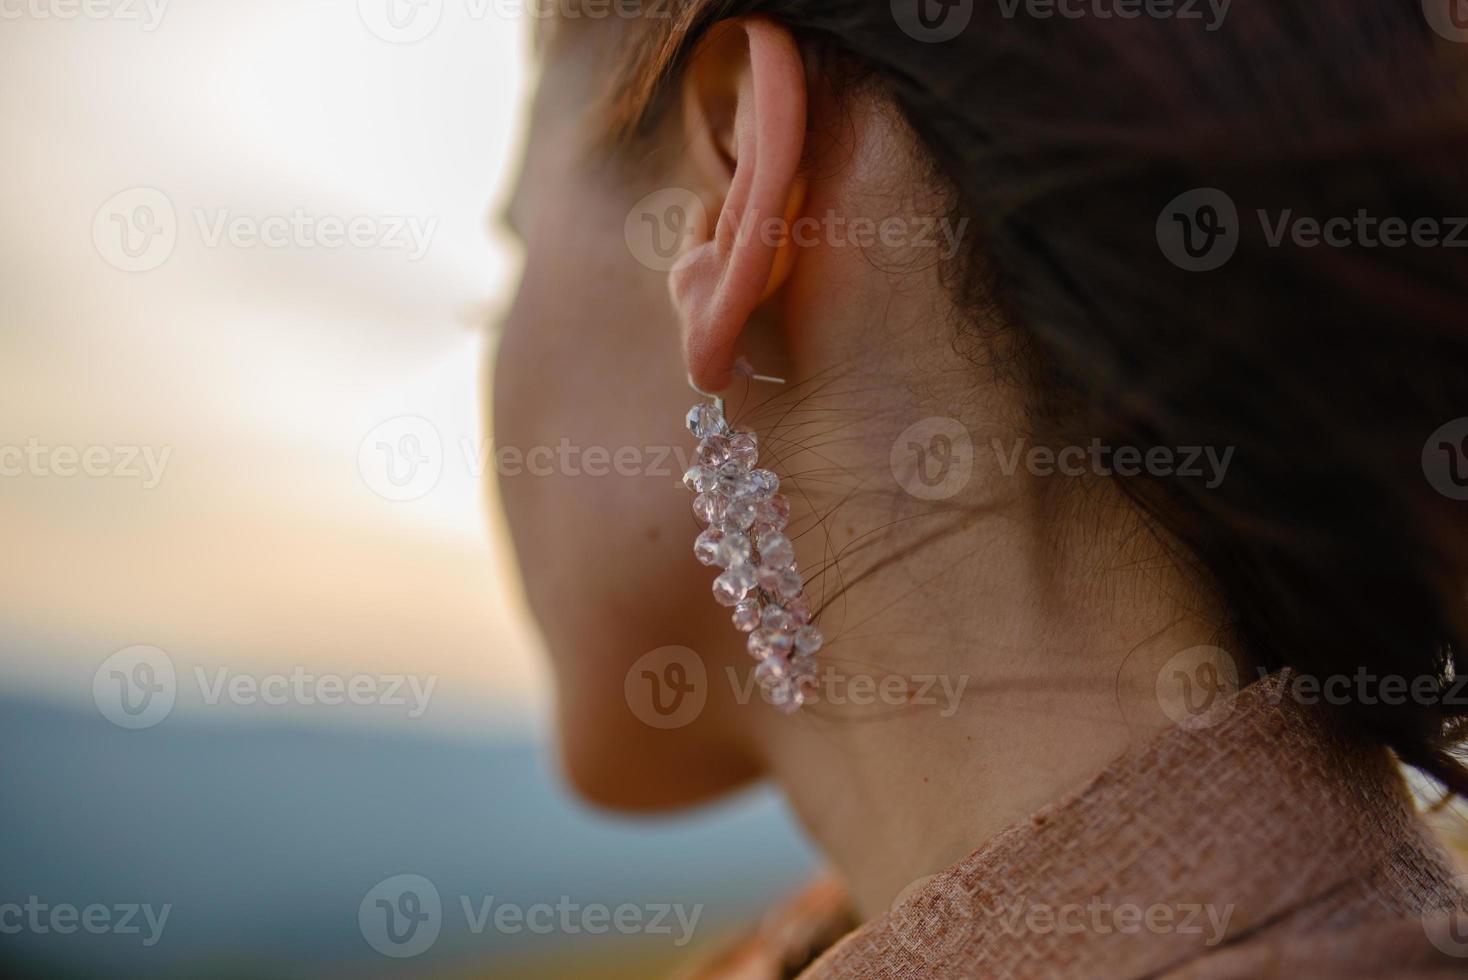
[[700, 478], [787, 695], [713, 452], [706, 546], [799, 610], [773, 513], [788, 585], [775, 550], [743, 575], [771, 671], [763, 483], [733, 550], [709, 507], [725, 592], [739, 514], [768, 579], [743, 449], [734, 487], [746, 615], [765, 642], [776, 618], [705, 419], [808, 640], [787, 683], [732, 480], [733, 585]]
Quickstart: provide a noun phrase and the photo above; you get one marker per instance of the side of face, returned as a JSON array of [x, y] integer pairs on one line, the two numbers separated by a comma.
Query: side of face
[[627, 289], [587, 392]]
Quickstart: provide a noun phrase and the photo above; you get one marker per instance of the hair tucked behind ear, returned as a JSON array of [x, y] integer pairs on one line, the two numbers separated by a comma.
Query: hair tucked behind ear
[[1326, 369]]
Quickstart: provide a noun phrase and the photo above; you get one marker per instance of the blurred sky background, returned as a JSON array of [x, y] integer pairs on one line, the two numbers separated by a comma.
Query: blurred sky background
[[259, 375]]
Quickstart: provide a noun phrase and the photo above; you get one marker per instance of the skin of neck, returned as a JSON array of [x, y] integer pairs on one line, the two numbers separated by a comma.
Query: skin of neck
[[1025, 616], [982, 659]]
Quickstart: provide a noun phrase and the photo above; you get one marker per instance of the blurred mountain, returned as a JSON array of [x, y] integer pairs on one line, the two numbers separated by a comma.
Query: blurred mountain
[[265, 841]]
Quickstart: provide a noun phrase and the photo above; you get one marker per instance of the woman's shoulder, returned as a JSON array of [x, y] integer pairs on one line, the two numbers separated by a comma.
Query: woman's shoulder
[[1270, 843]]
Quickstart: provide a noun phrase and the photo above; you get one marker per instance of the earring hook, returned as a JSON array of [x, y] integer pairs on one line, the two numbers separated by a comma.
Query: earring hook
[[741, 367], [717, 400]]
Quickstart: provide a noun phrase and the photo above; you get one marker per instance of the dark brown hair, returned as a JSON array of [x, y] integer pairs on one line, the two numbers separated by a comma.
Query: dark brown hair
[[1326, 368]]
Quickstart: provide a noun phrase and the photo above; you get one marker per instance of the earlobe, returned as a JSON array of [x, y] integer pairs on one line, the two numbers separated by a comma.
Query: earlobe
[[745, 122]]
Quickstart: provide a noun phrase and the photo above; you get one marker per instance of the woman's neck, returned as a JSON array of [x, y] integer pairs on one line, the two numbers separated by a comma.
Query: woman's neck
[[980, 662]]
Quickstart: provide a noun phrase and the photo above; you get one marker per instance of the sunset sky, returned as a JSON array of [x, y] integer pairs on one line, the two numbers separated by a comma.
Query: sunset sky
[[253, 372]]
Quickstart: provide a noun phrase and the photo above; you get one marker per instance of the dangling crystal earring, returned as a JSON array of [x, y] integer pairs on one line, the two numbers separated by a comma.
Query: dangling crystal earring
[[745, 520]]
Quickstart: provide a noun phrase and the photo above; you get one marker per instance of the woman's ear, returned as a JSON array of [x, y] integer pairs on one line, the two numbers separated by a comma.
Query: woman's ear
[[744, 115]]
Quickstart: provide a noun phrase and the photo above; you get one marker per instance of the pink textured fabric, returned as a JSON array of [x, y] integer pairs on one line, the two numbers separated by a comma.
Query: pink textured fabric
[[1270, 844]]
